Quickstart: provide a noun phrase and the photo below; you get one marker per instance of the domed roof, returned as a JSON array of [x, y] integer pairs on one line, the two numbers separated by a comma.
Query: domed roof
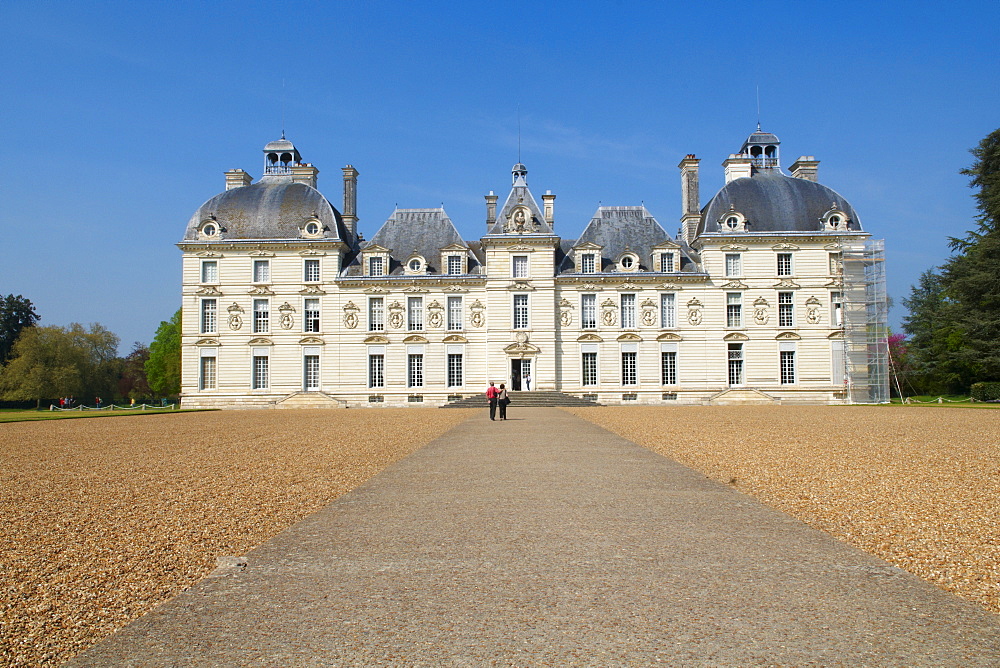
[[761, 137], [272, 208], [773, 202], [279, 145]]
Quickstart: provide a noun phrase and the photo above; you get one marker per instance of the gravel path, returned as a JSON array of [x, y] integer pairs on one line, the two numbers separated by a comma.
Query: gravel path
[[918, 487], [104, 519]]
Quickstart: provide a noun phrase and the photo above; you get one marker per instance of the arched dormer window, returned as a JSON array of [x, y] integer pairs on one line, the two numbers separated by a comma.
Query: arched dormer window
[[732, 221], [415, 264], [209, 230], [835, 220]]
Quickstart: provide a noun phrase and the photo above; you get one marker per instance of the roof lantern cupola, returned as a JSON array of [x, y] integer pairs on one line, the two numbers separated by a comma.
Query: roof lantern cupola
[[762, 148], [279, 157], [519, 175]]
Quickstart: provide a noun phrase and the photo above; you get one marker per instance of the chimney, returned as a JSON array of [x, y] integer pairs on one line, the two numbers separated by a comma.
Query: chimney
[[806, 167], [304, 173], [349, 214], [690, 202], [738, 166], [549, 202], [237, 178], [491, 211]]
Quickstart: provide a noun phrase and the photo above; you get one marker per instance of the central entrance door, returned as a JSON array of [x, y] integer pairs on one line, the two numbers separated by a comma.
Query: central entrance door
[[515, 375]]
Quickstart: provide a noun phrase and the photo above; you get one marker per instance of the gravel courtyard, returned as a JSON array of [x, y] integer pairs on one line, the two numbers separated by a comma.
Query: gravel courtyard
[[918, 487], [104, 518]]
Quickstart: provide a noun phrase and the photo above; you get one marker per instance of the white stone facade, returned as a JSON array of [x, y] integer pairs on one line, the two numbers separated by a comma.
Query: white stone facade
[[285, 306]]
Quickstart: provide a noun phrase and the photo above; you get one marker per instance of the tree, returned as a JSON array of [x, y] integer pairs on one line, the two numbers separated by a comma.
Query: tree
[[132, 382], [163, 368], [49, 362], [985, 173], [16, 313]]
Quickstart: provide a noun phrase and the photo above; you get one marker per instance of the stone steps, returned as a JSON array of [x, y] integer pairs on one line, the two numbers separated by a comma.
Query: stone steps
[[535, 399]]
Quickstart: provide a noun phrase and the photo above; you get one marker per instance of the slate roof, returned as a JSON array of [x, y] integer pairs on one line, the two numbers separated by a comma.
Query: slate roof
[[423, 232], [520, 194], [773, 202], [272, 208], [623, 228]]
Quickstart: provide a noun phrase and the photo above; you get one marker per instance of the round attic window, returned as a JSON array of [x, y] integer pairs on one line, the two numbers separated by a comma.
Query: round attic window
[[210, 230], [834, 221], [732, 222], [312, 228], [415, 264], [628, 262]]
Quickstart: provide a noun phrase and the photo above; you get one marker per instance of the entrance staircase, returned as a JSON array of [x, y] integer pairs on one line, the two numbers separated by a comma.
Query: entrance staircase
[[309, 400], [534, 399]]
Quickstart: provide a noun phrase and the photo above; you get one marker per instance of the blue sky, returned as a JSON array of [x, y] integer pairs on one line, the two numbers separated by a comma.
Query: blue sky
[[120, 118]]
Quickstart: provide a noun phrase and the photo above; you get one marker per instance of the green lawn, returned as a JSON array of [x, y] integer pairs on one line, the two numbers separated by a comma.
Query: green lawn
[[18, 415]]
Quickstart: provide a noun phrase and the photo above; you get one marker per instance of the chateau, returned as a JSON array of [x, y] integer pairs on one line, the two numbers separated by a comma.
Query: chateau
[[770, 292]]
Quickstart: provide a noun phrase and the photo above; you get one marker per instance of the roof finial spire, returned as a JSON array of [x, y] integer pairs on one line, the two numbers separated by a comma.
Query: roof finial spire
[[282, 108], [758, 107], [519, 132]]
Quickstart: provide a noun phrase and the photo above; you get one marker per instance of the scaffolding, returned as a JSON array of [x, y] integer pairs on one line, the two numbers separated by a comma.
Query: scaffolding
[[866, 322]]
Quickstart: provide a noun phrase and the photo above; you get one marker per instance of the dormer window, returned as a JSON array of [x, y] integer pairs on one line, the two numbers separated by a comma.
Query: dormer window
[[628, 262], [835, 220], [376, 266], [587, 263], [733, 221], [209, 229], [667, 263], [416, 265]]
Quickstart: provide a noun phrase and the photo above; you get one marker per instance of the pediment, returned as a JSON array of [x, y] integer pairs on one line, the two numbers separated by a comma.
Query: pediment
[[628, 286], [208, 254], [311, 252], [734, 247], [629, 337], [588, 246], [788, 336], [375, 248], [786, 283], [521, 348], [735, 285], [832, 247], [736, 336], [839, 334], [260, 253], [590, 287], [375, 338], [207, 342], [208, 290], [455, 288], [260, 341], [260, 290], [669, 336], [414, 288], [312, 290], [521, 248], [565, 303], [589, 338], [311, 341], [455, 338], [669, 286], [666, 245], [520, 286], [785, 247], [415, 338], [455, 247], [376, 290]]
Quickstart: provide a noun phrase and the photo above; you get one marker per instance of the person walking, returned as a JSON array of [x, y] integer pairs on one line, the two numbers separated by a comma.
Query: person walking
[[503, 399], [527, 381], [491, 397]]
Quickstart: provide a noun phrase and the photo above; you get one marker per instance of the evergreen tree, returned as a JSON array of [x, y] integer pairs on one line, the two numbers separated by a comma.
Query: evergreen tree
[[16, 313], [163, 368]]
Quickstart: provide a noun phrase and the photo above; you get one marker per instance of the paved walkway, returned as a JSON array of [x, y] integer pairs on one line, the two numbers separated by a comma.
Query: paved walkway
[[549, 541]]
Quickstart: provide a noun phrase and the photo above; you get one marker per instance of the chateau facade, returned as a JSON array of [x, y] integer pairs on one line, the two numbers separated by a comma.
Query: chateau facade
[[285, 304]]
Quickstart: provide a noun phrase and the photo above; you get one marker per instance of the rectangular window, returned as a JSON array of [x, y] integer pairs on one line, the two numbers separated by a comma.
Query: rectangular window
[[837, 309], [734, 264], [312, 315], [628, 368], [455, 264], [311, 372], [668, 310], [414, 370], [376, 371], [376, 266], [209, 271], [588, 311], [310, 271], [260, 372], [520, 311], [261, 316], [209, 316], [787, 367], [628, 311], [785, 309], [784, 264], [455, 370], [414, 313], [668, 368], [520, 269], [455, 313], [587, 263], [207, 380], [261, 271], [836, 263], [667, 262], [376, 314], [735, 363], [590, 368], [734, 309]]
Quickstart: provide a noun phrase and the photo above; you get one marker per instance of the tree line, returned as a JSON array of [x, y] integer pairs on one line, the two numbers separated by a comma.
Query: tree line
[[953, 319], [45, 363]]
